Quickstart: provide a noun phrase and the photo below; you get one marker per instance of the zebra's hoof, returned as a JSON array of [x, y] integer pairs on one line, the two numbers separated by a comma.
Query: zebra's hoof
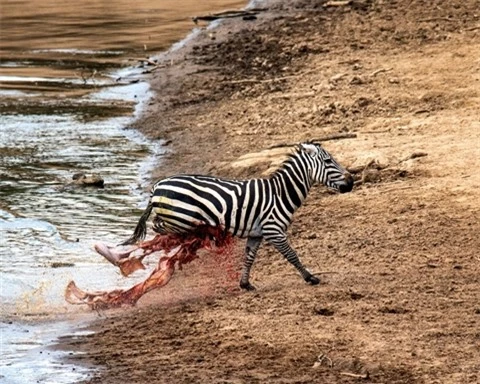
[[247, 286], [312, 280]]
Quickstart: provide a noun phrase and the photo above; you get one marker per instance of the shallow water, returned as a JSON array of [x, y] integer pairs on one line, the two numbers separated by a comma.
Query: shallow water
[[70, 83], [26, 360]]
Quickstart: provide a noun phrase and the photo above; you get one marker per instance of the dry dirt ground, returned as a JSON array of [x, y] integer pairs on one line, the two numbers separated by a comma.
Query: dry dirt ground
[[398, 257]]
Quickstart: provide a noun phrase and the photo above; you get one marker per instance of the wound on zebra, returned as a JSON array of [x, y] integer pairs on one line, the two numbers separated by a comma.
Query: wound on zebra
[[197, 211]]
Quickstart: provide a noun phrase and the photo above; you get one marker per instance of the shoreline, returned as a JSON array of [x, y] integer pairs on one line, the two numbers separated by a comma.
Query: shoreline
[[302, 71], [175, 54]]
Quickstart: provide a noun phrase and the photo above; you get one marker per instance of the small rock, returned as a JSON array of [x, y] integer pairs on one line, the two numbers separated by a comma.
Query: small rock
[[94, 180], [357, 80]]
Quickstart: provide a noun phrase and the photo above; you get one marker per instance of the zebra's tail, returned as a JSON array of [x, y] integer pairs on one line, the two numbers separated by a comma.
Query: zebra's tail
[[141, 228]]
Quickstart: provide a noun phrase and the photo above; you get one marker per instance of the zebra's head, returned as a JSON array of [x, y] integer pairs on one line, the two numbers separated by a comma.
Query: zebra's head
[[325, 169]]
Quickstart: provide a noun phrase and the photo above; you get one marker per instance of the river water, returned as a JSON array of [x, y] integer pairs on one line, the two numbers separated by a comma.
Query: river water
[[71, 81]]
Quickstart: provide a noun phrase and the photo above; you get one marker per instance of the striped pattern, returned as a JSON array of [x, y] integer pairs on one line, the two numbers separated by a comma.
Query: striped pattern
[[255, 209]]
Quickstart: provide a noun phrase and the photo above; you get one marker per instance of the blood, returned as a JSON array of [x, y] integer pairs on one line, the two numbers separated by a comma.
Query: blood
[[177, 250], [203, 237]]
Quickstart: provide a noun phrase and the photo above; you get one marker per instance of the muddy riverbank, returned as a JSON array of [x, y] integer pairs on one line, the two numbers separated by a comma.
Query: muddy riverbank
[[398, 257]]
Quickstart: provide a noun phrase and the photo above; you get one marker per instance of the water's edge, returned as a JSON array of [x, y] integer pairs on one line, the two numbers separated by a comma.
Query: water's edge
[[63, 346], [43, 336]]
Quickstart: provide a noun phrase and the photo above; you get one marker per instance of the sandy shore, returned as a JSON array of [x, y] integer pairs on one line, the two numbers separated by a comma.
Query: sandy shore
[[398, 257]]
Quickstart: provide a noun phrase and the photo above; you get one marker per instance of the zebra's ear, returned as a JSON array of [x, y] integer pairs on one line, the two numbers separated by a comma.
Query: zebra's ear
[[309, 148]]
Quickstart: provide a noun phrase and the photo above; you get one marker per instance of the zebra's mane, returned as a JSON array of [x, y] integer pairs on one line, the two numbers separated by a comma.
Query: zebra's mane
[[278, 158], [290, 155]]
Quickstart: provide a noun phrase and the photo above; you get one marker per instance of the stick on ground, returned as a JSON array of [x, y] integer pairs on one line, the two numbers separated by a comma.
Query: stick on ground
[[335, 136], [356, 375], [228, 15]]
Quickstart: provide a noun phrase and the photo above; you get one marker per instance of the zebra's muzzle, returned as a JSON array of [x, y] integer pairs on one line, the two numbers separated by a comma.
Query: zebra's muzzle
[[347, 185]]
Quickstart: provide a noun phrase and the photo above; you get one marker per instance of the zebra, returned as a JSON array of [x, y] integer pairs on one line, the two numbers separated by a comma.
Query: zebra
[[254, 209]]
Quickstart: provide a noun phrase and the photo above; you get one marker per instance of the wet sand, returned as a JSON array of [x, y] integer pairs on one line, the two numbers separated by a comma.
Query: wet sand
[[397, 257]]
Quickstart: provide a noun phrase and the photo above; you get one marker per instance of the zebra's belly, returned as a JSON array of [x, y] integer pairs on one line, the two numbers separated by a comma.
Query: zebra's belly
[[254, 232], [242, 230]]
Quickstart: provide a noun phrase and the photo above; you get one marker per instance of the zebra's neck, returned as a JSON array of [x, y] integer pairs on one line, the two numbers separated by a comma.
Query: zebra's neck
[[292, 182]]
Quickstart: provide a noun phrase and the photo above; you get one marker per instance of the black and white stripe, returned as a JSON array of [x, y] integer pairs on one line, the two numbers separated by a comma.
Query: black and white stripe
[[255, 209]]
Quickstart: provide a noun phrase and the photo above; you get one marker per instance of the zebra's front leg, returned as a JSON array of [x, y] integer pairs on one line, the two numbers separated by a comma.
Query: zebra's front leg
[[253, 243], [280, 242]]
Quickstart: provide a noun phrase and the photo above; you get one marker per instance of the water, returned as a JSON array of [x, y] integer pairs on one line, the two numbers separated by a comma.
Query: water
[[27, 360], [70, 83]]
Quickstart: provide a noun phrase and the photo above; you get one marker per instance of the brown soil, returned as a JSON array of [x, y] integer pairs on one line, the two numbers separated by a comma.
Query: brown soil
[[398, 257]]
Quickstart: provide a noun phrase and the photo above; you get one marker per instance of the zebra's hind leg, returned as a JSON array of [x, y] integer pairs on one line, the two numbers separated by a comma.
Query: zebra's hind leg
[[253, 243], [280, 242]]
